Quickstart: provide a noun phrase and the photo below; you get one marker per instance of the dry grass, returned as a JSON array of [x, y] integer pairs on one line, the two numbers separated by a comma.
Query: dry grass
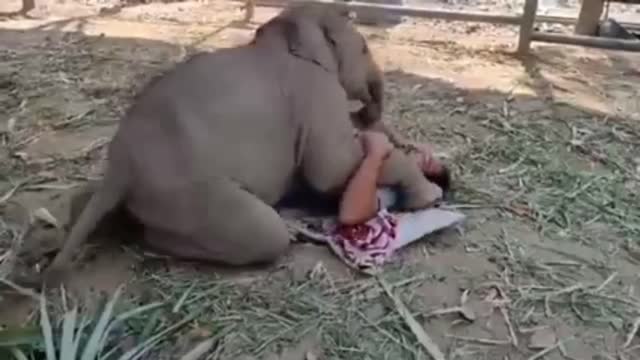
[[521, 166], [265, 315]]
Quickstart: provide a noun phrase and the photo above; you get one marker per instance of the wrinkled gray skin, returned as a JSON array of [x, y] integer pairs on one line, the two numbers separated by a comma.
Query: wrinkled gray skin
[[207, 149]]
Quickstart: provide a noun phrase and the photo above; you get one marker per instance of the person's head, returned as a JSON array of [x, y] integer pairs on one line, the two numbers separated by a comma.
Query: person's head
[[436, 172], [441, 178]]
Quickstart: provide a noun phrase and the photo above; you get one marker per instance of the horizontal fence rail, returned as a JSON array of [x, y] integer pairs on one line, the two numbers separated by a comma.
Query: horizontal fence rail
[[525, 21], [587, 41]]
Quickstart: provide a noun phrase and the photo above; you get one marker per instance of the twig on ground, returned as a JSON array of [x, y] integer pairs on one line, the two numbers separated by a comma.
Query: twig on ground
[[445, 311], [466, 313], [21, 290], [6, 267], [385, 332], [13, 190], [502, 306], [6, 255], [507, 320], [567, 290], [200, 349], [632, 333], [480, 340], [71, 121], [432, 348], [38, 187], [632, 303], [606, 282], [544, 352], [468, 206], [183, 298], [94, 145]]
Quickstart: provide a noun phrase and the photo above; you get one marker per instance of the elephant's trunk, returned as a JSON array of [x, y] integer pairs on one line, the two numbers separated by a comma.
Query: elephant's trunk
[[371, 112]]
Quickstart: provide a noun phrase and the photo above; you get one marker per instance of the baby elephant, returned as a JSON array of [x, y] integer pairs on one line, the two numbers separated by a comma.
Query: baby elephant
[[208, 148]]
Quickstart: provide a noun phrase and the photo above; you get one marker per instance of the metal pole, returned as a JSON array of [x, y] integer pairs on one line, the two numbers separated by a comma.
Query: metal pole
[[588, 41], [539, 18], [423, 12]]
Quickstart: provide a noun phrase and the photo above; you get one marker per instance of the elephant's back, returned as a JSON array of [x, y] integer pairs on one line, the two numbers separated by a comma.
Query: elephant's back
[[216, 115]]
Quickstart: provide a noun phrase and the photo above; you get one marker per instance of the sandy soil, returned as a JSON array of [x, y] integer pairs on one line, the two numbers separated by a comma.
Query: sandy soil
[[68, 74]]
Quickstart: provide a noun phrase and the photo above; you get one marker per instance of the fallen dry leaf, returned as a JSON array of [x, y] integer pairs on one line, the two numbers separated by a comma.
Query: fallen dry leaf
[[45, 216], [464, 297]]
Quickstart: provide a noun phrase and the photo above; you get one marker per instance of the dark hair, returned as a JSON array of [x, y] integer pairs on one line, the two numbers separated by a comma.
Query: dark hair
[[442, 179]]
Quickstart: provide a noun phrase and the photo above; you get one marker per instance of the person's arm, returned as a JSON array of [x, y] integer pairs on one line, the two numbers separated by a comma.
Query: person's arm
[[359, 201]]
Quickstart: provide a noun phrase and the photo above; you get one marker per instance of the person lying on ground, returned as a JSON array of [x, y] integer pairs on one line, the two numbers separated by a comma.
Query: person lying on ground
[[366, 233]]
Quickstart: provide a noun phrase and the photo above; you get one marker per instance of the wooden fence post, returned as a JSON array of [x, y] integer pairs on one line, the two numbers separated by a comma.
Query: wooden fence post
[[526, 26], [589, 17]]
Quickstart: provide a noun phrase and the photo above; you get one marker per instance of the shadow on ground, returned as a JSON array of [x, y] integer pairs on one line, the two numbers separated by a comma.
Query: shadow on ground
[[616, 79]]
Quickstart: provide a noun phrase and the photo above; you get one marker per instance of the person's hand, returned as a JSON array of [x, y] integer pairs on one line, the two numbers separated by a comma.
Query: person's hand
[[376, 144]]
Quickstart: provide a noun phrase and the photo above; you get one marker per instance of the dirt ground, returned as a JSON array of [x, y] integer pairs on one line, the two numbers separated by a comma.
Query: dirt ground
[[546, 154]]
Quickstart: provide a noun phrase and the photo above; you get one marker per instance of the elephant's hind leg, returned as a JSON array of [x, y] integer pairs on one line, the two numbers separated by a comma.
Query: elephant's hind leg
[[238, 229]]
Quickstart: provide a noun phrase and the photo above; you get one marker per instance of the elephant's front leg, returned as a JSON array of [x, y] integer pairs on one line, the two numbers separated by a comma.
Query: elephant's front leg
[[394, 136], [398, 140]]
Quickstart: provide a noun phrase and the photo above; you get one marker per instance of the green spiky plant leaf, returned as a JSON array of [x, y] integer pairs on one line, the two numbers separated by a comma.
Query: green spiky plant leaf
[[20, 336], [75, 339]]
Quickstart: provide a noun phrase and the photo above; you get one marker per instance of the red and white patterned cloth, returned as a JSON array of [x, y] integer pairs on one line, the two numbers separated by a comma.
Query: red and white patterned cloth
[[368, 245]]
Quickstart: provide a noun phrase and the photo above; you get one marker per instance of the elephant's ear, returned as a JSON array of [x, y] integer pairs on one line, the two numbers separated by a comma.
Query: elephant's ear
[[312, 42]]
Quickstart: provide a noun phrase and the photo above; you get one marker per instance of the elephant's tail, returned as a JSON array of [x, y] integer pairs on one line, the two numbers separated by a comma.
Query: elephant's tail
[[107, 197]]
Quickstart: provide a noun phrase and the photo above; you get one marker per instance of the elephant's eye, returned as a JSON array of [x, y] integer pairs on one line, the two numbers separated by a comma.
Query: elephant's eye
[[365, 48]]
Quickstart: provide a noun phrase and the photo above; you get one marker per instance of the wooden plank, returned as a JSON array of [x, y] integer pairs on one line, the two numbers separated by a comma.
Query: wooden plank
[[526, 26], [588, 41], [424, 12]]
